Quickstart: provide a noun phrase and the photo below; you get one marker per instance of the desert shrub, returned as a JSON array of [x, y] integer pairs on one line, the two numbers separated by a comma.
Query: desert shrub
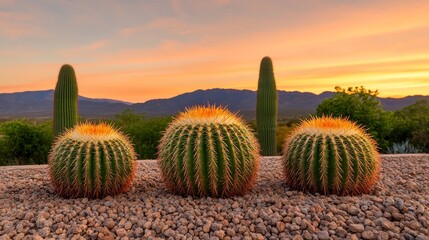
[[144, 132], [412, 122], [25, 142], [403, 147], [360, 105]]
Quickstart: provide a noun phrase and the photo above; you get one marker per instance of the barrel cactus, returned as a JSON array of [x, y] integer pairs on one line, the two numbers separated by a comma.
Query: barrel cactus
[[266, 108], [93, 161], [65, 100], [331, 156], [208, 151]]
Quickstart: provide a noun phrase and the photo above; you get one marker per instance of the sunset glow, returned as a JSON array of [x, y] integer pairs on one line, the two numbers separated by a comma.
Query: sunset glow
[[140, 50]]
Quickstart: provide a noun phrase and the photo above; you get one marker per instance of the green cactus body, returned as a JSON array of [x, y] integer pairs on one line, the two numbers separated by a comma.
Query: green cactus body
[[91, 161], [65, 100], [331, 156], [207, 151], [266, 108]]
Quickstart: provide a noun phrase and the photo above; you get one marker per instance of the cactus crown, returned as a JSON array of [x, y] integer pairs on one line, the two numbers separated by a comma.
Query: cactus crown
[[329, 125], [207, 115], [90, 132]]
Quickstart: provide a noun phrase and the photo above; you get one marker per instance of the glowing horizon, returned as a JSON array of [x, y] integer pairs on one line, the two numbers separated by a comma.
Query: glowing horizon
[[136, 51]]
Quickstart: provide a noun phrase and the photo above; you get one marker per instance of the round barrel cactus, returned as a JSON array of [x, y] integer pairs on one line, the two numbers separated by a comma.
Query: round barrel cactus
[[208, 151], [331, 156], [93, 161]]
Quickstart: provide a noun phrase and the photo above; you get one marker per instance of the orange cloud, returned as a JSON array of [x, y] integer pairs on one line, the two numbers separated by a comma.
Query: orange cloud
[[381, 45]]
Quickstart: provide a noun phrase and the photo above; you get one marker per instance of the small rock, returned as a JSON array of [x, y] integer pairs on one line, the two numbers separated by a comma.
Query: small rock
[[414, 225], [382, 235], [171, 209], [397, 216], [307, 235], [207, 226], [387, 224], [216, 226], [169, 233], [297, 237], [220, 234], [356, 228], [138, 232], [281, 226], [323, 235], [367, 235], [399, 204], [121, 232], [353, 210], [230, 232], [109, 223], [261, 228], [44, 232], [128, 225], [28, 216], [159, 227]]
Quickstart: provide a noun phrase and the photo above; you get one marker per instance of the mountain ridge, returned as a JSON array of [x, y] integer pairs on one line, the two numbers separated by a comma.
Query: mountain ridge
[[39, 104]]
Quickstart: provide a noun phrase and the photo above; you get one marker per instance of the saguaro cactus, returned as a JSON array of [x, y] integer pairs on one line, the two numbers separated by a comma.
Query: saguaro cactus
[[207, 151], [331, 156], [65, 100], [92, 161], [266, 108]]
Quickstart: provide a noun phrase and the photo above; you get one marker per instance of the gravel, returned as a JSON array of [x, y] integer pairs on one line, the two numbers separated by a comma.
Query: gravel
[[397, 208]]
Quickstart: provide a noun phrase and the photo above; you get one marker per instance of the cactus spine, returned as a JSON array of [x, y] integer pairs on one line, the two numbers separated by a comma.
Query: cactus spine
[[266, 108], [65, 100], [331, 156], [207, 151], [91, 161]]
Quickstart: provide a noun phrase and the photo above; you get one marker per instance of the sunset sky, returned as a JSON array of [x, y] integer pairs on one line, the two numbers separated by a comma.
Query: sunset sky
[[139, 50]]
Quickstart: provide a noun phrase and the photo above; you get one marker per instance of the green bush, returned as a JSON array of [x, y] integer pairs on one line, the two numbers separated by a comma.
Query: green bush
[[143, 132], [25, 142], [412, 122], [360, 105]]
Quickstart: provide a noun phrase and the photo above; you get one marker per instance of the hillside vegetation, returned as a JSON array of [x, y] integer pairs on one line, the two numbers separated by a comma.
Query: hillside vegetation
[[25, 141]]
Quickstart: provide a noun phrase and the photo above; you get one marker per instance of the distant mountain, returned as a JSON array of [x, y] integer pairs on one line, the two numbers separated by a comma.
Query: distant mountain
[[40, 104], [291, 104]]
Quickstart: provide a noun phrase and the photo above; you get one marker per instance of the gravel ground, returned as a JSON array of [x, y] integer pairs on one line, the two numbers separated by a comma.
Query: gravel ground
[[398, 208]]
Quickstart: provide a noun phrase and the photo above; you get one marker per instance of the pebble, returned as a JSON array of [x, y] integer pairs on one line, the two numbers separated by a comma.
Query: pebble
[[109, 223], [206, 227], [353, 210], [121, 232], [323, 235], [367, 235], [386, 224], [356, 228], [169, 233]]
